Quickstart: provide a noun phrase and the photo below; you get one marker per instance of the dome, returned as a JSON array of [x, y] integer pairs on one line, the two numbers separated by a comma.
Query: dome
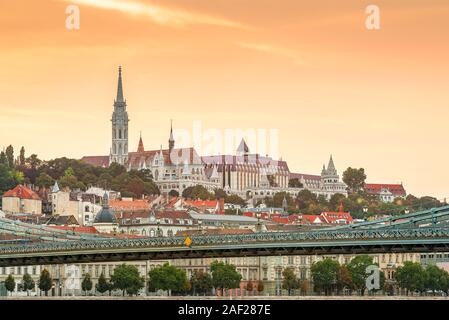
[[105, 215]]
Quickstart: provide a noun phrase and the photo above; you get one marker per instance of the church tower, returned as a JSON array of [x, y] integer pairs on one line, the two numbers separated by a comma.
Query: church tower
[[119, 148], [171, 140]]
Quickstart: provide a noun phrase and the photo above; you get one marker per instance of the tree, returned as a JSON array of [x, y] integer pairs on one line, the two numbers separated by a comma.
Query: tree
[[127, 278], [197, 192], [354, 179], [33, 161], [45, 281], [103, 285], [44, 180], [305, 198], [324, 275], [224, 275], [168, 278], [435, 279], [173, 193], [357, 268], [201, 282], [294, 183], [27, 283], [249, 286], [260, 287], [289, 280], [136, 186], [235, 199], [410, 277], [86, 284], [22, 156], [10, 284], [9, 152], [344, 279], [150, 188]]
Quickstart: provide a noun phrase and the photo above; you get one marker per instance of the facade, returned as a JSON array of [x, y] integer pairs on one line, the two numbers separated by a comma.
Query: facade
[[246, 174], [326, 184], [386, 192], [21, 199], [66, 203]]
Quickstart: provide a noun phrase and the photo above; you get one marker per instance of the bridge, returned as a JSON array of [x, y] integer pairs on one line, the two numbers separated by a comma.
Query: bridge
[[419, 232]]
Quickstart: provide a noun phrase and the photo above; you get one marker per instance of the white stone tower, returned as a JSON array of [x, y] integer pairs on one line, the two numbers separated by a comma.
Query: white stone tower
[[119, 148]]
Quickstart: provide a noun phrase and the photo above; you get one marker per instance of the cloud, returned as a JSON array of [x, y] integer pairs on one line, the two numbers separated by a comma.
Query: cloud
[[158, 14], [276, 50]]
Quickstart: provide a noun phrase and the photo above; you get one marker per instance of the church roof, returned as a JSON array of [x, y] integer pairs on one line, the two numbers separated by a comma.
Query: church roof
[[105, 215], [120, 86], [243, 147], [97, 161], [304, 176]]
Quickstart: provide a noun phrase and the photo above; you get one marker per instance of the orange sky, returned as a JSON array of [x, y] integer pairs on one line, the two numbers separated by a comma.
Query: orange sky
[[374, 99]]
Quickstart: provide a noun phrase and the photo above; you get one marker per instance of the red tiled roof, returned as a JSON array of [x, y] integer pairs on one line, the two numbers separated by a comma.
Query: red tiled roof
[[22, 192], [333, 217], [97, 161], [280, 220], [176, 156], [76, 229], [376, 188], [185, 233], [311, 218], [120, 205]]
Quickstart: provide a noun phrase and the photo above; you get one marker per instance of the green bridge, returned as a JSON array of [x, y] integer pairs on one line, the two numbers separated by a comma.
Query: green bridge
[[425, 231]]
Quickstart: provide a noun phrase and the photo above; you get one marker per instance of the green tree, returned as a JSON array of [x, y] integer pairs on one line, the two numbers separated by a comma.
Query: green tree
[[136, 186], [33, 161], [305, 199], [411, 277], [294, 183], [150, 188], [127, 279], [27, 283], [344, 279], [197, 192], [168, 278], [225, 276], [201, 282], [10, 156], [435, 279], [10, 284], [86, 284], [324, 275], [103, 285], [357, 268], [45, 281], [354, 179], [289, 280], [173, 193], [22, 156], [44, 180], [235, 199]]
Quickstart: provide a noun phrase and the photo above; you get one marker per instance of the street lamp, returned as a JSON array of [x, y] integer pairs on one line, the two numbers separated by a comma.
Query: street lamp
[[158, 221], [365, 209], [200, 225], [258, 215], [406, 211]]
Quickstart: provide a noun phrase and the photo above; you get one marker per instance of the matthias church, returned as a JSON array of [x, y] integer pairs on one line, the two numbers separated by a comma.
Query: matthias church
[[246, 174]]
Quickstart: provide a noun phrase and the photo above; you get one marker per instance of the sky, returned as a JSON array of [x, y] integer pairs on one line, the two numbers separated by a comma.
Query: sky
[[376, 99]]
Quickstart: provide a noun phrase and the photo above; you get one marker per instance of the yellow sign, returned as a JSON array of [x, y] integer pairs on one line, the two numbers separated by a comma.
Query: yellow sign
[[188, 241]]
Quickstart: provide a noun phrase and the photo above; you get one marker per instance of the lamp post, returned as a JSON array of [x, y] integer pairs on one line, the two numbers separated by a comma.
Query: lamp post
[[259, 228], [365, 209], [200, 225], [158, 221]]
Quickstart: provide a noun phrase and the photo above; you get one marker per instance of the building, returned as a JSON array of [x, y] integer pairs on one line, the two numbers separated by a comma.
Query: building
[[385, 192], [105, 221], [326, 184], [21, 199]]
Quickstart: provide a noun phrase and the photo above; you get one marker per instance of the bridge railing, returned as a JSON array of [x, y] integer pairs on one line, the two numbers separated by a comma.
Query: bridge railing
[[207, 241]]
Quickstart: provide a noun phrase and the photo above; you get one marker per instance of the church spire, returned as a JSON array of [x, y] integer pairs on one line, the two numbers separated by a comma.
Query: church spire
[[171, 140], [120, 86], [140, 148], [331, 167]]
